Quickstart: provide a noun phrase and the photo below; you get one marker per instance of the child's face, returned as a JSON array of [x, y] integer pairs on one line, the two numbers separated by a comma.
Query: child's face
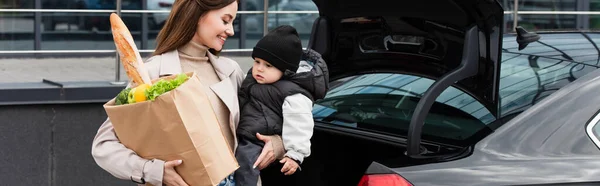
[[264, 72]]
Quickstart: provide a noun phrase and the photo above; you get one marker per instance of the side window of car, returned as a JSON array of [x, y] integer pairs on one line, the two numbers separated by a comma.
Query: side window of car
[[385, 103]]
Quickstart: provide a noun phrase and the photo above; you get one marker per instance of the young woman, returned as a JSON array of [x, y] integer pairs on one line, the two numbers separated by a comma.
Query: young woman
[[191, 37]]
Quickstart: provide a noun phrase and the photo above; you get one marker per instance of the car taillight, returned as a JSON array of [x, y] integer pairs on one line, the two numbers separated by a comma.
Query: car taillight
[[164, 5], [383, 180]]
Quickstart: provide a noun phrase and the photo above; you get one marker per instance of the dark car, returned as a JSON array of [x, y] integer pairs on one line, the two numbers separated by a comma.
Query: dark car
[[50, 20], [302, 22], [433, 93], [88, 21], [101, 21]]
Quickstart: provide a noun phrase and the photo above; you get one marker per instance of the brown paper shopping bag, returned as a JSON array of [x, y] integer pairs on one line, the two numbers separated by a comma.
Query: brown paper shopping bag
[[180, 124]]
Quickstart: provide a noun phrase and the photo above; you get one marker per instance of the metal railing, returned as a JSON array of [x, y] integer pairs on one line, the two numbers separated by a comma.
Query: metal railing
[[37, 31], [118, 10]]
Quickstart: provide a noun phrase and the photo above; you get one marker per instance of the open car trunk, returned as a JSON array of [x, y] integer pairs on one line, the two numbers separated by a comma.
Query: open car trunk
[[453, 42], [341, 159]]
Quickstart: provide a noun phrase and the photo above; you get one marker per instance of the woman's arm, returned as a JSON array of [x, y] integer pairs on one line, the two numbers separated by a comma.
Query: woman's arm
[[273, 149], [278, 148], [122, 162]]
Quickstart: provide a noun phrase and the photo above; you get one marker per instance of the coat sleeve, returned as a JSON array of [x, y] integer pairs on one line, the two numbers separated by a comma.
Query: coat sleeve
[[122, 162], [298, 126]]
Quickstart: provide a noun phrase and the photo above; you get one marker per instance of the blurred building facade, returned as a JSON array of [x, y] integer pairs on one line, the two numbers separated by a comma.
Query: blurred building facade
[[82, 26]]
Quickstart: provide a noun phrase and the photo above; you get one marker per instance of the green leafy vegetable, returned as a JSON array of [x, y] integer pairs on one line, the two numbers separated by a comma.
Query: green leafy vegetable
[[162, 86], [122, 97]]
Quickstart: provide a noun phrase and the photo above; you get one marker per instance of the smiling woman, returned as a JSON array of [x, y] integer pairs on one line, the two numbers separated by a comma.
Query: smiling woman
[[192, 36]]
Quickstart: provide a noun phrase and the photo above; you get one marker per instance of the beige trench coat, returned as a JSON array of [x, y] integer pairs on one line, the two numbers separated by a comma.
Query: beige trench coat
[[123, 163]]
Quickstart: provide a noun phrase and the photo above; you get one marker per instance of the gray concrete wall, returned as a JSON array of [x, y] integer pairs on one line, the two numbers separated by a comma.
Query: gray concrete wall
[[51, 145]]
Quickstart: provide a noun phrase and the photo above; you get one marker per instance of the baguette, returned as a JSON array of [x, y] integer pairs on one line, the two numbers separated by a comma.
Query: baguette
[[128, 51]]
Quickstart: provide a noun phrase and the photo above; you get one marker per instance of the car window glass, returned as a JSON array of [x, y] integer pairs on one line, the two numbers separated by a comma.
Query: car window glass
[[527, 79], [564, 46], [299, 5], [385, 102]]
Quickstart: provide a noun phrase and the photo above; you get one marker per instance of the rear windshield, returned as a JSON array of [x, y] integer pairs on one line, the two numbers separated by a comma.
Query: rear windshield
[[385, 103]]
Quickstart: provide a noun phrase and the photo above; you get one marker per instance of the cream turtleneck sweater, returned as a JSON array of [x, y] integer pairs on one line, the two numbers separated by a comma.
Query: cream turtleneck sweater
[[193, 58]]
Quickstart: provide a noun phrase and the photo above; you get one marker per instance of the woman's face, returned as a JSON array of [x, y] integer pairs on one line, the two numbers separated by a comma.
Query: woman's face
[[215, 26]]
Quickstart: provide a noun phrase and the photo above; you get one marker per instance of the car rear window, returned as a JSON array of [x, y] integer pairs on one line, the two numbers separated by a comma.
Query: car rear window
[[527, 79], [385, 103]]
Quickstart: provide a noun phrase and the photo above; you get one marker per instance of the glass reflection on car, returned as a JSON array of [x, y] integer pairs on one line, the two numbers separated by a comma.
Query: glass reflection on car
[[385, 102]]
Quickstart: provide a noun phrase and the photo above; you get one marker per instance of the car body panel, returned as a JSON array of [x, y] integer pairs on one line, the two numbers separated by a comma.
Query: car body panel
[[545, 144]]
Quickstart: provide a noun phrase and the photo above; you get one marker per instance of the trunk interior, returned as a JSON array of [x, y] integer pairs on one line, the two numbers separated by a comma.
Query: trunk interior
[[338, 158]]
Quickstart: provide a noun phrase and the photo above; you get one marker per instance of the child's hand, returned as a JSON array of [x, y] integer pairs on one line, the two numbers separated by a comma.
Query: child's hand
[[289, 166]]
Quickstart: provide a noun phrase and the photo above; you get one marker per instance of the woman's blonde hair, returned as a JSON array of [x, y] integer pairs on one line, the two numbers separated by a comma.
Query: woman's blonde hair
[[182, 23]]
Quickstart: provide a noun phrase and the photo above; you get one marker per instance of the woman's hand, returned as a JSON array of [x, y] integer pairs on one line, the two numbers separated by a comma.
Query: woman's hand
[[267, 156], [170, 176]]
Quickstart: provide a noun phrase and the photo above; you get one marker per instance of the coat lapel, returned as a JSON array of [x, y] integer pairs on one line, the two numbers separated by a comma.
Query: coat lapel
[[170, 64], [224, 89]]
